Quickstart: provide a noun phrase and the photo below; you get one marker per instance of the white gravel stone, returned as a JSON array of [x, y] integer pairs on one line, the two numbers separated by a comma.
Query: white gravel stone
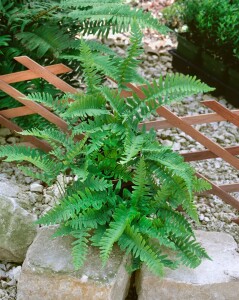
[[36, 187]]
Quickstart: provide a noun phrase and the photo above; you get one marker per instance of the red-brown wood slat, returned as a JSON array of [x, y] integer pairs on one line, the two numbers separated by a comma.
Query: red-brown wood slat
[[16, 112], [216, 190], [11, 91], [45, 74], [207, 154], [198, 136], [222, 111], [191, 120], [33, 140], [29, 75]]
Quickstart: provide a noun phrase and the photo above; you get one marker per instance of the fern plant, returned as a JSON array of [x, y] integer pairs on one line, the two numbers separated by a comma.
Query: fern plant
[[46, 30], [121, 185]]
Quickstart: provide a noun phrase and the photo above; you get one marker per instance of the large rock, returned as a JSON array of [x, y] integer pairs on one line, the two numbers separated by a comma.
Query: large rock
[[17, 230], [217, 279], [48, 273]]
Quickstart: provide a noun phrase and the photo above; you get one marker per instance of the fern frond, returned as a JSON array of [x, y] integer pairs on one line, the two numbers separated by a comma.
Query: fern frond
[[58, 105], [191, 253], [47, 178], [133, 241], [53, 136], [75, 150], [141, 191], [87, 105], [90, 72], [150, 228], [200, 185], [99, 19], [97, 184], [62, 230], [34, 156], [122, 216], [45, 39], [91, 218], [133, 145], [174, 88], [128, 65], [80, 247], [116, 102]]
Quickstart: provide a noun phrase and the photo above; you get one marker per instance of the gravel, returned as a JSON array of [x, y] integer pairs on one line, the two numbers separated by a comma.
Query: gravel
[[214, 214]]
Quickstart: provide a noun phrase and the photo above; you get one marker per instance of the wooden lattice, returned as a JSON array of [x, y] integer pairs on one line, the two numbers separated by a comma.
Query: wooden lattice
[[49, 73]]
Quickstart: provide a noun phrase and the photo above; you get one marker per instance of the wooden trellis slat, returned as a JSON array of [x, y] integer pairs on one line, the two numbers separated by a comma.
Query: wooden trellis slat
[[35, 107], [191, 120], [31, 139], [213, 150], [29, 75], [45, 74]]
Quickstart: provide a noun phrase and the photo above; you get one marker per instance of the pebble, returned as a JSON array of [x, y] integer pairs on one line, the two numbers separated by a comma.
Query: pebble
[[36, 187]]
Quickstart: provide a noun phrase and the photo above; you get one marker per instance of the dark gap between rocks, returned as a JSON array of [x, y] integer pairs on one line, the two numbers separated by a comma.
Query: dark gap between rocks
[[132, 294]]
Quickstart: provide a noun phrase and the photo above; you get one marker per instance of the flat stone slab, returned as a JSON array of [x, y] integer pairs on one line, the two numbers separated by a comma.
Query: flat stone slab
[[212, 280], [48, 273], [17, 230]]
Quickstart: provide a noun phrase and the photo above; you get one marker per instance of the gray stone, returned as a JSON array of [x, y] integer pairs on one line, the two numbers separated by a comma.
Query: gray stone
[[36, 187], [17, 230], [48, 273], [8, 189], [5, 132], [212, 280]]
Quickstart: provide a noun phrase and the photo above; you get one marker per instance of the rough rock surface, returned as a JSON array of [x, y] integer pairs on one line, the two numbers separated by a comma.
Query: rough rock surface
[[16, 227], [48, 273], [212, 280]]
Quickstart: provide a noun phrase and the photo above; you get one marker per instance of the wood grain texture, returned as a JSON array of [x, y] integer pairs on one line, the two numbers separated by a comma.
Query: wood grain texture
[[28, 74], [45, 74], [207, 154], [31, 139], [16, 112], [198, 136], [45, 113], [222, 111], [191, 120], [221, 193]]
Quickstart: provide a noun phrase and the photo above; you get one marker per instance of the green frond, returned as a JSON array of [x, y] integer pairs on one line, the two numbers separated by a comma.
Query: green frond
[[53, 136], [75, 150], [47, 178], [45, 39], [36, 157], [174, 88], [117, 17], [201, 185], [141, 192], [127, 66], [190, 252], [62, 230], [174, 221], [58, 105], [97, 184], [122, 217], [99, 47], [150, 228], [133, 241], [133, 145], [115, 101], [86, 105], [90, 72], [80, 247], [91, 218]]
